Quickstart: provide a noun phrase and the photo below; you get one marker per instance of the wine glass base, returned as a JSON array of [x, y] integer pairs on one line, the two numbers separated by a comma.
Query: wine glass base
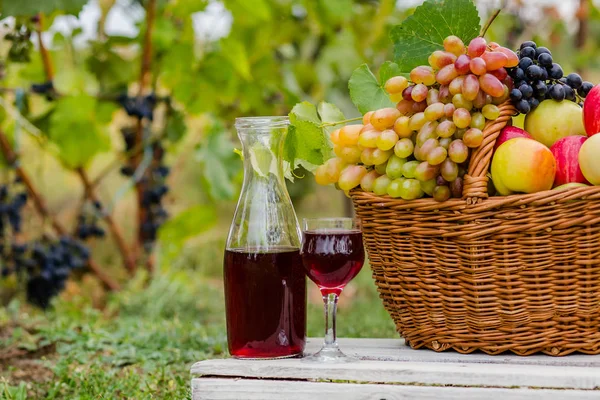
[[331, 355]]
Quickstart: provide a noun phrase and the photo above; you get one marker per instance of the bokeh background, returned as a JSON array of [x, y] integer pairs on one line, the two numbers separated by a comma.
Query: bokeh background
[[214, 61]]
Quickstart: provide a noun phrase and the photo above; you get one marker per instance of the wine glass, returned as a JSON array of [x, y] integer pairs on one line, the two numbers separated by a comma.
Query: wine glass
[[332, 255]]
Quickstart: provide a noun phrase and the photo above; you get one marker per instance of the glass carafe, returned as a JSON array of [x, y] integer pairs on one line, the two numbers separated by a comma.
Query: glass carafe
[[265, 284]]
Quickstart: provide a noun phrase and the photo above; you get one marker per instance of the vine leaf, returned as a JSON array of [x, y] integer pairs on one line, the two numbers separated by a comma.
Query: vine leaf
[[32, 7], [366, 92], [330, 113], [74, 129], [423, 32]]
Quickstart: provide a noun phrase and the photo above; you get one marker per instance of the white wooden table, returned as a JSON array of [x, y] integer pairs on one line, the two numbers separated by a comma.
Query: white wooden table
[[389, 370]]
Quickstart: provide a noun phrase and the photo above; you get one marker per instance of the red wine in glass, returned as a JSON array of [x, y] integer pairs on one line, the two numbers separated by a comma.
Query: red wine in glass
[[332, 257], [265, 295]]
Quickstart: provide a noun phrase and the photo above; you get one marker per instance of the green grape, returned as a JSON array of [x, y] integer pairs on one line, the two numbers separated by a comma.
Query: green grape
[[427, 132], [441, 193], [380, 185], [459, 133], [473, 138], [409, 168], [321, 177], [404, 148], [394, 167], [490, 111], [445, 142], [445, 129], [402, 128], [455, 87], [410, 189], [461, 118], [380, 156], [459, 101], [351, 176], [422, 74], [380, 168], [437, 156], [387, 139], [449, 170], [433, 96], [477, 121], [419, 92], [425, 148], [368, 139], [428, 186], [368, 181], [396, 84], [417, 121], [426, 171], [458, 151], [434, 112], [394, 188]]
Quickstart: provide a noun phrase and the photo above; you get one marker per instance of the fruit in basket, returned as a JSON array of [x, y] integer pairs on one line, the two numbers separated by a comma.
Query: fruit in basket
[[571, 185], [566, 154], [523, 165], [510, 132], [553, 120], [589, 159], [591, 111]]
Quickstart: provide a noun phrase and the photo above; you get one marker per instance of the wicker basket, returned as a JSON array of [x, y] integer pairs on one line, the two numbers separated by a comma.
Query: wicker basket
[[518, 273]]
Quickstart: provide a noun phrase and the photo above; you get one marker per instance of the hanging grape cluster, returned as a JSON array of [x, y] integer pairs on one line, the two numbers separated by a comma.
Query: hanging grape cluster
[[422, 146], [88, 219], [537, 78], [155, 189]]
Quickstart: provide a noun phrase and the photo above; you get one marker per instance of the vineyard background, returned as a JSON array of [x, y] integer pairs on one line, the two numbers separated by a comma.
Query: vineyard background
[[110, 84]]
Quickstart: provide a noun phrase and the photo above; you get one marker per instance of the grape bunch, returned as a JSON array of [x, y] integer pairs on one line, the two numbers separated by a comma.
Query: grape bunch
[[13, 197], [154, 192], [422, 146], [128, 133], [87, 221], [537, 78]]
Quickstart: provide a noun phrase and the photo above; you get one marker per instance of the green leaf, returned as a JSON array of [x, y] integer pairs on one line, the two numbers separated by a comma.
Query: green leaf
[[32, 7], [187, 224], [337, 10], [424, 32], [305, 111], [175, 127], [330, 113], [235, 52], [306, 143], [388, 70], [220, 163], [74, 129], [254, 11], [366, 93]]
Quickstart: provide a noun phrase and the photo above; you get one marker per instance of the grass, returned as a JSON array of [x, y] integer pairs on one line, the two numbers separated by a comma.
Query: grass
[[142, 342]]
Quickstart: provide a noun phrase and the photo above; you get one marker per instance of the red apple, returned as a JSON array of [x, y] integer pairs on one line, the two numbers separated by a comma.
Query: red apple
[[566, 153], [591, 111], [510, 132]]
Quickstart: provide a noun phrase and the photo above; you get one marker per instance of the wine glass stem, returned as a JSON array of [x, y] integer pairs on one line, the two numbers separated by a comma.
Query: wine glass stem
[[330, 310]]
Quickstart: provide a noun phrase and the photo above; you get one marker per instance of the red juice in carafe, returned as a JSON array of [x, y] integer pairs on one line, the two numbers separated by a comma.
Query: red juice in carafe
[[332, 258], [265, 296]]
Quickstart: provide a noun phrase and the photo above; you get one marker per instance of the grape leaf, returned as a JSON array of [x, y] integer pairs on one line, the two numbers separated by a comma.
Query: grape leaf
[[175, 127], [306, 143], [366, 92], [388, 70], [32, 7], [330, 113], [424, 32], [74, 129]]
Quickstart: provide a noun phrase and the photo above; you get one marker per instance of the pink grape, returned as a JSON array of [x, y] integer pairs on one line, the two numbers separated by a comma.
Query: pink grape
[[449, 170], [454, 45], [478, 66], [500, 73], [396, 84], [402, 128], [501, 99], [461, 118], [404, 148], [434, 111], [406, 93], [419, 106], [482, 99], [456, 85], [491, 85], [426, 148], [473, 138], [426, 132], [456, 187], [433, 96], [445, 142], [349, 134], [368, 181], [384, 118], [458, 151], [351, 176], [419, 92], [422, 74], [445, 129], [367, 118], [368, 139], [511, 56], [462, 64], [470, 87], [417, 121], [405, 107], [437, 156], [426, 171], [494, 60], [366, 157], [335, 136], [441, 193], [350, 154], [444, 94], [476, 47], [445, 75], [449, 110], [439, 59]]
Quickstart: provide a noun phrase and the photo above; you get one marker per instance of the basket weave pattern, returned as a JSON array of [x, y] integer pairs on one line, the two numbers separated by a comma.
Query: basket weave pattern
[[516, 273]]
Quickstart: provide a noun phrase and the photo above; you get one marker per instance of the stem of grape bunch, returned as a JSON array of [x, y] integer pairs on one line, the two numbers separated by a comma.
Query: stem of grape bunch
[[326, 124], [491, 19]]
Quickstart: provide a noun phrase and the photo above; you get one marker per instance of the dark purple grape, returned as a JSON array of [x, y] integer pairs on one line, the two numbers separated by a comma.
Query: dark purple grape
[[574, 80]]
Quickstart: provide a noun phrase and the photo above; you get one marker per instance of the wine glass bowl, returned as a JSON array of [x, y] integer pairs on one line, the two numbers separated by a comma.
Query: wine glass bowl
[[332, 255]]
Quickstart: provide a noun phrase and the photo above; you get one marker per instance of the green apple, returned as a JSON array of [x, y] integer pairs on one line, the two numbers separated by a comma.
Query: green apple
[[553, 120]]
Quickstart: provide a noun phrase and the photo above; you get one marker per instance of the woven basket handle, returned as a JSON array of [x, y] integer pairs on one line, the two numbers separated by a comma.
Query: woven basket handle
[[475, 181]]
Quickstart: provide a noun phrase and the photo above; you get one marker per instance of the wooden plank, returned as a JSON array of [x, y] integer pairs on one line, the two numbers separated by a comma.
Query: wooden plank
[[228, 389]]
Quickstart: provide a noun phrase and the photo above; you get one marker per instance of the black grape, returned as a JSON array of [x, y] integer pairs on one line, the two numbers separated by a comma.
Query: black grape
[[585, 89], [528, 52], [574, 80], [526, 90], [555, 71], [515, 95], [523, 106], [528, 43], [557, 92]]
